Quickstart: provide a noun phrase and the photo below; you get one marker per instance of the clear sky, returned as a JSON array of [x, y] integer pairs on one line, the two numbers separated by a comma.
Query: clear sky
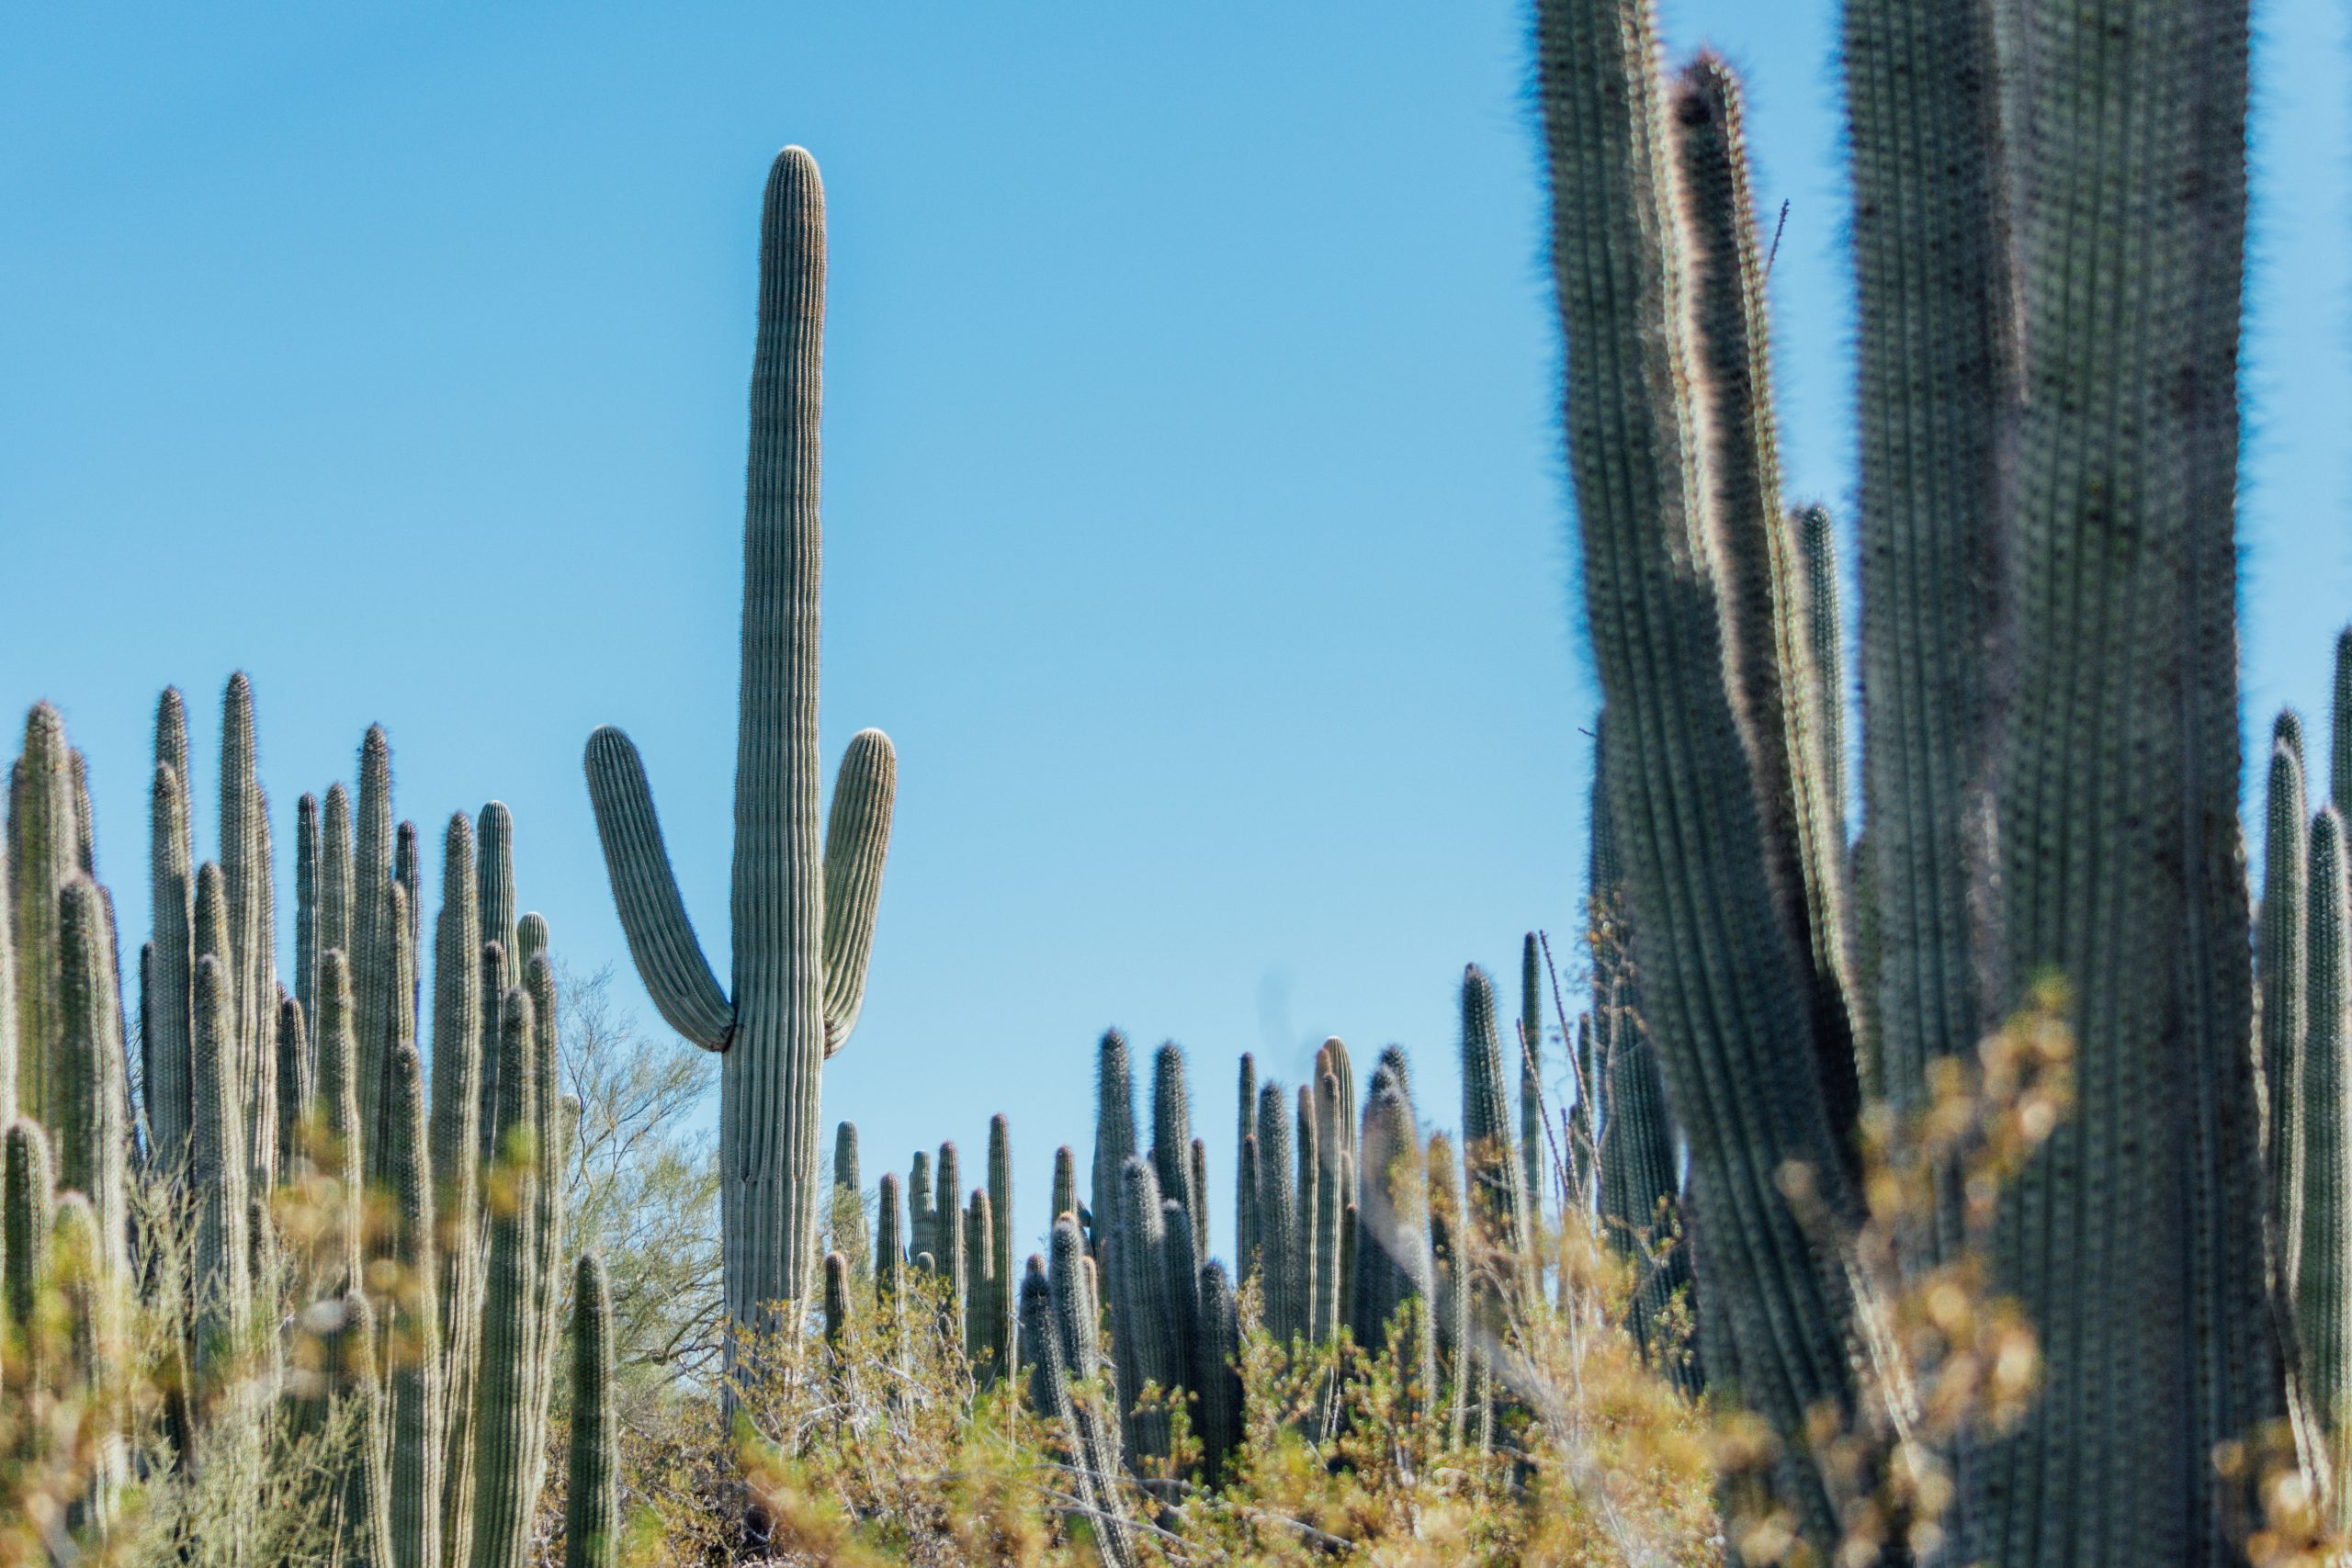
[[1195, 518]]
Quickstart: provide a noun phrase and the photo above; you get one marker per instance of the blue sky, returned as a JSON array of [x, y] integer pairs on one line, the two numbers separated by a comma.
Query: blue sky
[[1195, 517]]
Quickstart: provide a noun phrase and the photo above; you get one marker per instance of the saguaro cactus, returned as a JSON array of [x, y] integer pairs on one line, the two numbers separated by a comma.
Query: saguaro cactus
[[803, 920]]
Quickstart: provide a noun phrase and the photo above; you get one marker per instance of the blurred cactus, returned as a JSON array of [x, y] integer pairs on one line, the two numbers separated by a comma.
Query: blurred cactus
[[2324, 1295], [803, 916]]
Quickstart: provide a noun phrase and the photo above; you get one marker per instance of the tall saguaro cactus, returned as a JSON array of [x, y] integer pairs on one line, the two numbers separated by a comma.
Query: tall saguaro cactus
[[803, 916]]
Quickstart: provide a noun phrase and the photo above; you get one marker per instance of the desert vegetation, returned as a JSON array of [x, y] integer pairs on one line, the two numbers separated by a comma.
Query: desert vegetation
[[1963, 1182]]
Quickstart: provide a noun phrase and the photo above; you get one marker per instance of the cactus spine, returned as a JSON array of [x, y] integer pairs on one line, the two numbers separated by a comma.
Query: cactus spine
[[803, 917]]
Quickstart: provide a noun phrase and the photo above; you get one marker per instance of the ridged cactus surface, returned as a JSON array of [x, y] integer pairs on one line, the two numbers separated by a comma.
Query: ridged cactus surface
[[2282, 970], [802, 912]]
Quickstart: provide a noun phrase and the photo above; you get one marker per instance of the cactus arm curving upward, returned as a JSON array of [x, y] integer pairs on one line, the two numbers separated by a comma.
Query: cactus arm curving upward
[[661, 938], [857, 838]]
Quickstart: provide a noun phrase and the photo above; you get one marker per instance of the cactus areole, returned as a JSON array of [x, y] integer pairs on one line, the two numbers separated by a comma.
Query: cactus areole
[[803, 915]]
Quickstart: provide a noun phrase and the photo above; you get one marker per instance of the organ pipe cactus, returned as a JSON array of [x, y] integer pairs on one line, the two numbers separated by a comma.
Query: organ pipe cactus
[[411, 1320], [1171, 1131], [803, 918], [88, 1099], [1280, 1276], [845, 1216], [1497, 1202], [889, 1247], [1114, 1126], [1065, 1181], [980, 1285], [27, 1205], [504, 1491], [42, 835], [1215, 1373], [922, 1209], [591, 1515], [947, 1250], [1531, 1083], [1066, 1384], [2324, 1295], [1145, 1335], [2339, 743], [2282, 967], [2034, 569], [1003, 1304], [1392, 1261]]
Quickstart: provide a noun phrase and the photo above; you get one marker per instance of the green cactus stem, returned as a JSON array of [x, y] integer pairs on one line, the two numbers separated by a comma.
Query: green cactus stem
[[1065, 1181], [88, 1099], [1003, 1305], [307, 866], [373, 936], [167, 1042], [980, 1285], [1818, 539], [1115, 1127], [340, 1154], [1215, 1373], [2324, 1294], [803, 915], [43, 835], [1171, 1128], [410, 1321], [890, 1247], [218, 1173], [2282, 968], [591, 1509], [28, 1203], [1278, 1250], [1489, 1154], [948, 1231], [836, 1305], [845, 1214], [504, 1494], [1307, 1236], [2339, 726], [1246, 1183], [1143, 1318], [1531, 1081], [1392, 1259], [922, 1203]]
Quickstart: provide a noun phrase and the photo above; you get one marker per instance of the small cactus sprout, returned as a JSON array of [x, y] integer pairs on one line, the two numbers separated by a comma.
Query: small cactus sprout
[[803, 913]]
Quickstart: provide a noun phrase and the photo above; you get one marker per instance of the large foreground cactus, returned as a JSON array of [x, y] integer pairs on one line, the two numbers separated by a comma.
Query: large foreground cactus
[[803, 917], [2046, 483]]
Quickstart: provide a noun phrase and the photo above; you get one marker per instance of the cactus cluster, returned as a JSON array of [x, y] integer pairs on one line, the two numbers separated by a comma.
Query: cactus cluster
[[296, 1129]]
